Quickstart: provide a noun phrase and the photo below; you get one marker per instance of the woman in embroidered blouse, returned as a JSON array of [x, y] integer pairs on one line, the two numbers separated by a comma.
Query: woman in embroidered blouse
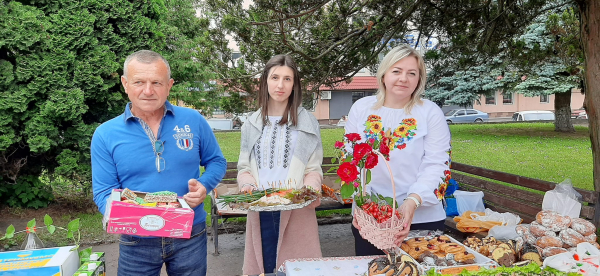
[[281, 145], [419, 147]]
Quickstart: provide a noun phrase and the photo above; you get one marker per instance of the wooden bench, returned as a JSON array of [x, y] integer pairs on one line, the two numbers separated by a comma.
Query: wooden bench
[[230, 178], [505, 192]]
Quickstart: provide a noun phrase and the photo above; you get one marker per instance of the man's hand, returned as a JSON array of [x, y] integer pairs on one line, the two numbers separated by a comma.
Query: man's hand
[[197, 193]]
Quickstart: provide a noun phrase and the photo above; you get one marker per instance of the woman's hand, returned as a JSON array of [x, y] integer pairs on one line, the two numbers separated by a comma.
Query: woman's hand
[[247, 188], [407, 211]]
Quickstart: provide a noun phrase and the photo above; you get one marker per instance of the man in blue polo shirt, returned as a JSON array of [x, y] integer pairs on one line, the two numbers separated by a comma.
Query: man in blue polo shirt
[[155, 146]]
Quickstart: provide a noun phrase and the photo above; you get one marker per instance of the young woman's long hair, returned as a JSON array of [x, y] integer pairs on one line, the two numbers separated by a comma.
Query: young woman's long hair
[[388, 61], [295, 99]]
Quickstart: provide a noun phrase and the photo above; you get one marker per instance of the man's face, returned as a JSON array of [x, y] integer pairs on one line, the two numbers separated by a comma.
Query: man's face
[[147, 85]]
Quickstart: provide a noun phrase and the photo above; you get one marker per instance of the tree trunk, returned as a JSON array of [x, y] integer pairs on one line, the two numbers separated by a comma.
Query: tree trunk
[[562, 111], [590, 38]]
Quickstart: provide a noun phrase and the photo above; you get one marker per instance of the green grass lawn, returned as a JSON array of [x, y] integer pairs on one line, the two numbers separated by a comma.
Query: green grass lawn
[[529, 149]]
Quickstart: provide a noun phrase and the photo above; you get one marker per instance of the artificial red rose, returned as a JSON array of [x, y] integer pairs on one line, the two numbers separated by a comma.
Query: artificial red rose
[[372, 160], [360, 150], [353, 137], [339, 145], [347, 172], [383, 148]]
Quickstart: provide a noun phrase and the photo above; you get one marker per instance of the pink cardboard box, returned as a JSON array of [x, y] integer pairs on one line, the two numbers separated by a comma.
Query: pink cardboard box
[[131, 219]]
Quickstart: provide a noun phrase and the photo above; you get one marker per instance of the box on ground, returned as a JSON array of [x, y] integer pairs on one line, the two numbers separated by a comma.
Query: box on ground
[[63, 261], [91, 268], [131, 219]]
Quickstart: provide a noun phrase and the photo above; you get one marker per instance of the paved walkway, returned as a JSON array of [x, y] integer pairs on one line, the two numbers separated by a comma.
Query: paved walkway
[[336, 241]]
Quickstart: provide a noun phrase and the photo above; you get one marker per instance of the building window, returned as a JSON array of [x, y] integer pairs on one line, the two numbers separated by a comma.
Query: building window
[[507, 98], [544, 99], [358, 95], [491, 99]]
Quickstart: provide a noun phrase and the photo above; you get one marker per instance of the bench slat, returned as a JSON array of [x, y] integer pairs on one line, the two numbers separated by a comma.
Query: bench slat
[[532, 183], [524, 195], [506, 202]]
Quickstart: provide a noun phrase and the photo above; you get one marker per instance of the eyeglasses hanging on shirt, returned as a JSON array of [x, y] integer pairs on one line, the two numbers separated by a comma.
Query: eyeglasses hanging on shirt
[[159, 147]]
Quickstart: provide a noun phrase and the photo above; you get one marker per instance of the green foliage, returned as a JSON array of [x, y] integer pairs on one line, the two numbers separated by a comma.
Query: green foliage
[[28, 192], [73, 227], [60, 67]]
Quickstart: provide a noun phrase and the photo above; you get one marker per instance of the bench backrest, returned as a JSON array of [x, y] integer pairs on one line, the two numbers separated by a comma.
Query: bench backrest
[[231, 175], [504, 192]]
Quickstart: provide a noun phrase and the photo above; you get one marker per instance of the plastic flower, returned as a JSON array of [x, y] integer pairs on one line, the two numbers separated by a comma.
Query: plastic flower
[[347, 172], [353, 137], [339, 145], [362, 149], [372, 160]]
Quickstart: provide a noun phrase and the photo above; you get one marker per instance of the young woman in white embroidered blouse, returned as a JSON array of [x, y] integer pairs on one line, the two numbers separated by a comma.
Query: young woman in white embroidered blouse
[[421, 145], [281, 144]]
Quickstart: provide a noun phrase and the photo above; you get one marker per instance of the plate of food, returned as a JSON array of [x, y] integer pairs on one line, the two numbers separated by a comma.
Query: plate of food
[[271, 200]]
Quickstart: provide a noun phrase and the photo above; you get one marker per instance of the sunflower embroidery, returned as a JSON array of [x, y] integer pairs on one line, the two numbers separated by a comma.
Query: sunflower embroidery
[[397, 138]]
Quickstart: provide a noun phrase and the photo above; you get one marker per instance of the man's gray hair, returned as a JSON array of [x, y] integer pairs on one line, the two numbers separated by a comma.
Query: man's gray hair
[[145, 56]]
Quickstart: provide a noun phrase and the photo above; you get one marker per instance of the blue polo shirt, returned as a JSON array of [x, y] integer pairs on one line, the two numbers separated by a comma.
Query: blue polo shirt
[[123, 156]]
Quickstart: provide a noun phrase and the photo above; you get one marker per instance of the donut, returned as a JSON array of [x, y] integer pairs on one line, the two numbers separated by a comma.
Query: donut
[[551, 251], [529, 238], [539, 230], [522, 229], [590, 238], [571, 237], [553, 220], [583, 226], [547, 241]]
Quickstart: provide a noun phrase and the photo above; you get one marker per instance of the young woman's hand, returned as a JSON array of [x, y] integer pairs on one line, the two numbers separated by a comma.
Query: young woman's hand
[[407, 211], [246, 188]]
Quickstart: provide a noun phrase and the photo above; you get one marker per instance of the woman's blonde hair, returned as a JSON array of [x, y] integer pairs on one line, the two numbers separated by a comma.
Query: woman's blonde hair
[[388, 61]]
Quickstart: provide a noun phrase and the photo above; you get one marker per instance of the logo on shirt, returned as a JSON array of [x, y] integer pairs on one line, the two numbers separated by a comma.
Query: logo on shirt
[[184, 137]]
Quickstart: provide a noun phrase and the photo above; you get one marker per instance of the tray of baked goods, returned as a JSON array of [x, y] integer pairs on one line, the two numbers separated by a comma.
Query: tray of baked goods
[[445, 254], [269, 200]]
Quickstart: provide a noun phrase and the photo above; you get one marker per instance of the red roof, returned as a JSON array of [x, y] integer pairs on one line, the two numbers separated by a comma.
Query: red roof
[[357, 83]]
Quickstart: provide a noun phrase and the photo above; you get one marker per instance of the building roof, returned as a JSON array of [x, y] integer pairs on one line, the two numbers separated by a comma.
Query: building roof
[[357, 83]]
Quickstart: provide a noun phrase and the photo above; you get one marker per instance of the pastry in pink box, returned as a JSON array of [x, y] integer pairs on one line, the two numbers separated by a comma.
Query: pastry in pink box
[[172, 219]]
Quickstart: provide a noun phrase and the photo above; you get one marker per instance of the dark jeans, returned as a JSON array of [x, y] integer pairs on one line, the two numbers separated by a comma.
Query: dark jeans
[[363, 247], [269, 232], [145, 256]]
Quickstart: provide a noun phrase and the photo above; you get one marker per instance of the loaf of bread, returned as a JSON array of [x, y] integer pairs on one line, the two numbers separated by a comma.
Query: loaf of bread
[[571, 237], [553, 220], [548, 241], [583, 226]]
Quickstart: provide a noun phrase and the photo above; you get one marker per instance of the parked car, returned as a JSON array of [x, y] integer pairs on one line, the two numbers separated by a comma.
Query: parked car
[[533, 115], [466, 116]]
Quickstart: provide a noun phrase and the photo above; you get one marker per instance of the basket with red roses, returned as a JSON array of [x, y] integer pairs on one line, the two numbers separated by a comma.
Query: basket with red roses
[[374, 214]]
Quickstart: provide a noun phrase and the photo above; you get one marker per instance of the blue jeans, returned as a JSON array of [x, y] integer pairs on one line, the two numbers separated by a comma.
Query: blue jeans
[[145, 256], [269, 233]]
